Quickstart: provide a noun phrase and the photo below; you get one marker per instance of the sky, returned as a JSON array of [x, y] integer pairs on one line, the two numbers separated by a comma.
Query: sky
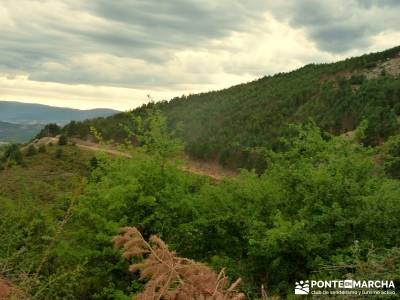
[[104, 53]]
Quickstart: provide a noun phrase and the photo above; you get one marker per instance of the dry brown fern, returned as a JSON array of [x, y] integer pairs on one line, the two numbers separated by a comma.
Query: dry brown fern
[[171, 277], [8, 291]]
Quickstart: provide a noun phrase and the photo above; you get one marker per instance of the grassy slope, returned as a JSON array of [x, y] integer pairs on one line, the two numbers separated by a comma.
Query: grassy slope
[[45, 178]]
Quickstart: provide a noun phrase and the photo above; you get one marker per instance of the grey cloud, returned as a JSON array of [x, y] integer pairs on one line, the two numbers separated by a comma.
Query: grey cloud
[[51, 44], [341, 25], [380, 3], [193, 19], [341, 38], [151, 31]]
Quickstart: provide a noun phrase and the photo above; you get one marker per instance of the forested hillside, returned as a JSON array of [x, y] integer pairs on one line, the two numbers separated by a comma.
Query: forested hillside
[[231, 125]]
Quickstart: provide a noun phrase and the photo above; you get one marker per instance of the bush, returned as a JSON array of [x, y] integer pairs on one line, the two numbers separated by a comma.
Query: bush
[[42, 149], [391, 156], [358, 79], [62, 141], [13, 154], [31, 151], [59, 153], [370, 65], [49, 130], [93, 163]]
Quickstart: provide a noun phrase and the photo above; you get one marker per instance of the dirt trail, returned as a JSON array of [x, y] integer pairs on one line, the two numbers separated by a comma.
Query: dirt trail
[[210, 169], [97, 147]]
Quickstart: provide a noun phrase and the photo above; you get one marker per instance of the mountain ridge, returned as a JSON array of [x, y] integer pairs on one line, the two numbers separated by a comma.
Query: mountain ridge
[[20, 121], [33, 113], [17, 133]]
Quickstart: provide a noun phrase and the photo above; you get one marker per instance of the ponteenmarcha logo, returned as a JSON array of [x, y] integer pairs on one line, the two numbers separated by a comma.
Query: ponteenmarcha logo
[[302, 287], [345, 287]]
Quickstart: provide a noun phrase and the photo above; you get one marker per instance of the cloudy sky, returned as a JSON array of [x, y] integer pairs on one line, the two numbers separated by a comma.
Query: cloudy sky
[[105, 53]]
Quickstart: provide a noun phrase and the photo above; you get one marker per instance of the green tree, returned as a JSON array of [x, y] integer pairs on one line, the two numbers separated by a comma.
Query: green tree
[[391, 156], [93, 163], [62, 141], [156, 138], [51, 130], [13, 154]]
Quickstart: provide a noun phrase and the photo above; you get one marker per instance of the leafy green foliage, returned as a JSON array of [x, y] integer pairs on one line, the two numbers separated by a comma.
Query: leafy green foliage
[[155, 137], [12, 155], [31, 151], [62, 140], [391, 156], [51, 129], [59, 153], [319, 197]]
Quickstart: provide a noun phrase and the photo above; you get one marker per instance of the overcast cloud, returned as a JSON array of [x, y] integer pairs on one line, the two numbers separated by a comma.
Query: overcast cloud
[[102, 53]]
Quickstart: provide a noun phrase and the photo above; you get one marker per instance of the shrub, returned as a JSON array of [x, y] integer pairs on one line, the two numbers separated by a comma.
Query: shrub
[[31, 151], [93, 163], [62, 141], [59, 153], [357, 79], [42, 149], [49, 130], [13, 155], [391, 156]]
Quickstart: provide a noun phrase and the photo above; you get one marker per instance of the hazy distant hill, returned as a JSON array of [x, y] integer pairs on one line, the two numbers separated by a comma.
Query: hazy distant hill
[[27, 113], [19, 122], [17, 133]]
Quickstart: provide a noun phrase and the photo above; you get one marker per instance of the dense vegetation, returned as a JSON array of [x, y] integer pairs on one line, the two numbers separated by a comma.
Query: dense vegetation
[[321, 205], [233, 124], [323, 208]]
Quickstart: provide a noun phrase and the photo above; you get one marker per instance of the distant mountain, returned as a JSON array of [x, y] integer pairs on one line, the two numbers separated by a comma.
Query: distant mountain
[[19, 122], [28, 113], [17, 133]]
